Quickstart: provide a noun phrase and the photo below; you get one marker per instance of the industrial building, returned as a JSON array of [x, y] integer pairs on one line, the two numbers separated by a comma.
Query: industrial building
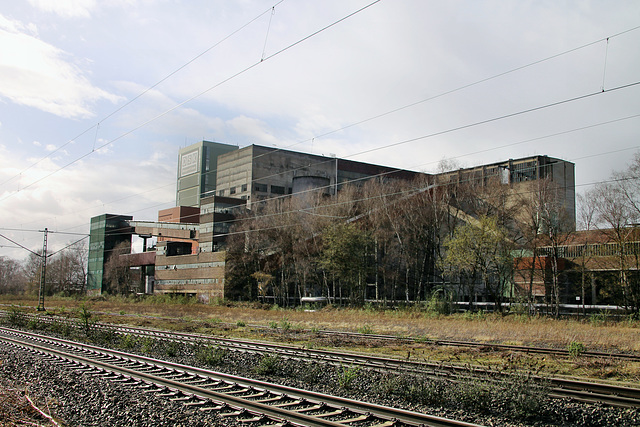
[[197, 166], [521, 175], [106, 232], [215, 181]]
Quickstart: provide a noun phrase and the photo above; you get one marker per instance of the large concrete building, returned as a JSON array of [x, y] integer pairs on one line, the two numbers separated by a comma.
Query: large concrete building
[[255, 173], [522, 175], [214, 181], [197, 167]]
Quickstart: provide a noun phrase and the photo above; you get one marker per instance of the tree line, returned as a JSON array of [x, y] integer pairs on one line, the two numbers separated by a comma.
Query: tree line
[[471, 240], [66, 272]]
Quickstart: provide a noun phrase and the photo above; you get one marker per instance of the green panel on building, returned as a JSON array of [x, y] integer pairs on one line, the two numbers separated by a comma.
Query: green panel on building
[[107, 231]]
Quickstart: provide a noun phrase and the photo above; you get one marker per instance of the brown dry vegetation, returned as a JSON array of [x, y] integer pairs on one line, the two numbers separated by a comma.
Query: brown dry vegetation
[[283, 324]]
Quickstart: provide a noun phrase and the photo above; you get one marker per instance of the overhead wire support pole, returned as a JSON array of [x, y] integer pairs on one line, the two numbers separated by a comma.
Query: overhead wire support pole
[[43, 272]]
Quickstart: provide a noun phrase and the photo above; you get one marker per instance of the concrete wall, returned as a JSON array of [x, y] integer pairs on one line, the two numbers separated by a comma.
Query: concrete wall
[[201, 274]]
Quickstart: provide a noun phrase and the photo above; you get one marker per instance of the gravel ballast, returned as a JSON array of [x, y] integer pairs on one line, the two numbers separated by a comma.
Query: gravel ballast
[[84, 400], [80, 399]]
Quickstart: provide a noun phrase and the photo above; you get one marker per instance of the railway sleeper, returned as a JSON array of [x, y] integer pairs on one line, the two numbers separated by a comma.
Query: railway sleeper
[[172, 394], [197, 380], [259, 394], [389, 423], [218, 408], [239, 391], [318, 407], [198, 402], [289, 403], [273, 398], [260, 418], [186, 399], [335, 413], [607, 399], [368, 417]]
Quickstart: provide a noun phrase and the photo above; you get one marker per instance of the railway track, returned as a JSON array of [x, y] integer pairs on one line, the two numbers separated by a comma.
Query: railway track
[[250, 401], [436, 342], [584, 391]]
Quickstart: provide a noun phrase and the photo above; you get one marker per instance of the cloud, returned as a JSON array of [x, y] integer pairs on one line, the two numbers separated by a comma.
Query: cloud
[[66, 200], [50, 147], [36, 74], [66, 8]]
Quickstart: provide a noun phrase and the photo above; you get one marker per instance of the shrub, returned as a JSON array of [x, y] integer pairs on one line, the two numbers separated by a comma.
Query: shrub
[[35, 324], [366, 330], [285, 324], [128, 341], [148, 344], [16, 316], [172, 348], [437, 305], [85, 319], [268, 365], [575, 349], [210, 355], [346, 376]]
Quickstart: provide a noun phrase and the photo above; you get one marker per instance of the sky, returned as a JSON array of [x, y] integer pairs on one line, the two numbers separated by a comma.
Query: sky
[[96, 98]]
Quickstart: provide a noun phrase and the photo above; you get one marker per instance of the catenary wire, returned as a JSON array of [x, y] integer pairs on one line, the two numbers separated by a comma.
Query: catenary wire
[[409, 141], [164, 113], [141, 94], [467, 154], [403, 107]]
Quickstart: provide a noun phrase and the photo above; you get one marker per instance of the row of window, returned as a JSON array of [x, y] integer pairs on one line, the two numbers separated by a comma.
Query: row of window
[[263, 188], [606, 249]]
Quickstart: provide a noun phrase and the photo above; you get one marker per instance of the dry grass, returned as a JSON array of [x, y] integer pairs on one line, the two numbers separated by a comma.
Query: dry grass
[[487, 328], [281, 324]]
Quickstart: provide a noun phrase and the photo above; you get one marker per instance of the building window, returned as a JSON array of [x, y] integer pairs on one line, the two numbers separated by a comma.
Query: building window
[[244, 187], [221, 193], [260, 187], [276, 189], [232, 190]]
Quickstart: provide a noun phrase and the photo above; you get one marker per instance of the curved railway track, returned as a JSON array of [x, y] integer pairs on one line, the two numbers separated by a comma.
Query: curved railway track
[[436, 342], [584, 391], [588, 392], [250, 401]]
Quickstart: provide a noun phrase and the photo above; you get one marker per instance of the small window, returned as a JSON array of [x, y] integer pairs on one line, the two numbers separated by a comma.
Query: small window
[[221, 193], [277, 189], [243, 188], [232, 190], [260, 187]]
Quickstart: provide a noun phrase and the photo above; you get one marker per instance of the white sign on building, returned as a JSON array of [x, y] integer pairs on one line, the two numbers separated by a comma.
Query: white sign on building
[[189, 163]]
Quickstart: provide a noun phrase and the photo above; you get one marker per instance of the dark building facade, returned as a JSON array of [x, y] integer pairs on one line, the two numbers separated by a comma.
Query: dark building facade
[[107, 231]]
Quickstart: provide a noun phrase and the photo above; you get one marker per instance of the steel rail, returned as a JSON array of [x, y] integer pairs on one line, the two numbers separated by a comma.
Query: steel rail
[[584, 391], [362, 410], [437, 342]]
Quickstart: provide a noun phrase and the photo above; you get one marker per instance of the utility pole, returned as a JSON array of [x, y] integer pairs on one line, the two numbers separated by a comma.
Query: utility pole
[[43, 272]]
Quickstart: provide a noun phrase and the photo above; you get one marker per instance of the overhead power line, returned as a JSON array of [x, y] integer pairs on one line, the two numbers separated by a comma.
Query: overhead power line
[[96, 126], [239, 73], [480, 81]]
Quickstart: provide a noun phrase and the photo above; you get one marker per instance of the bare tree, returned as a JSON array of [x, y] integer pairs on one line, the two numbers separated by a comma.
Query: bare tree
[[66, 270], [587, 209], [618, 214], [12, 277], [117, 271], [482, 248]]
